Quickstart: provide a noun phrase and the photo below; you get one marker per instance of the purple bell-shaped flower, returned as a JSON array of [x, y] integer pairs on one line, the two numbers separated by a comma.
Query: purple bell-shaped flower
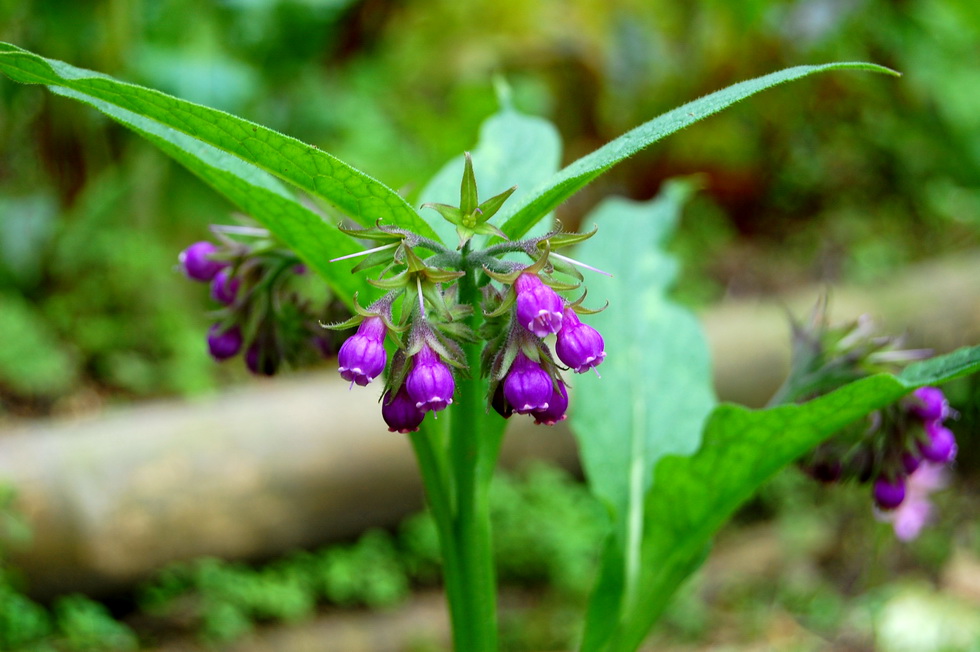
[[557, 405], [362, 357], [430, 382], [527, 387], [539, 308], [400, 413], [940, 443], [889, 494], [224, 343], [224, 287], [578, 345], [196, 262]]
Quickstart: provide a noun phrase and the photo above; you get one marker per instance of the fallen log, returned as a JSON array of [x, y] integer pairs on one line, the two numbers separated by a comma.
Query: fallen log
[[301, 460]]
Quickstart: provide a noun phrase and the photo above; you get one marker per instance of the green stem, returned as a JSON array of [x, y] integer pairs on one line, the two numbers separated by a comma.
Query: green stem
[[474, 443], [456, 455]]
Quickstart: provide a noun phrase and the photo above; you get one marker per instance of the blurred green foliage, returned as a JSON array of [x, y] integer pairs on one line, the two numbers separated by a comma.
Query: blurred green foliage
[[846, 178]]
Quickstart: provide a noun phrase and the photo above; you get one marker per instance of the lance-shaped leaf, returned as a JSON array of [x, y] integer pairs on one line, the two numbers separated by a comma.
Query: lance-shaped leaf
[[545, 198], [255, 192], [692, 497], [364, 199]]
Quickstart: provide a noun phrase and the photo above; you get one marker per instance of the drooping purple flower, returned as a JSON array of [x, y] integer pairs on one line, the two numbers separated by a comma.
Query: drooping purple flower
[[889, 493], [196, 261], [224, 343], [539, 308], [930, 404], [557, 405], [910, 462], [224, 287], [939, 445], [578, 345], [430, 382], [400, 413], [362, 357], [500, 404], [261, 360], [914, 512], [527, 387]]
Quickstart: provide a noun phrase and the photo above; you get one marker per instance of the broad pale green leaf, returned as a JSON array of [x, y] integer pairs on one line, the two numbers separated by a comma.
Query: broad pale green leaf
[[513, 150], [364, 199], [254, 191], [656, 389], [692, 497], [524, 214]]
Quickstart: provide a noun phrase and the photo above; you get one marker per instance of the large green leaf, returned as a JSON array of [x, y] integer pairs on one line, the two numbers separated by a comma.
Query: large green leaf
[[254, 191], [656, 390], [692, 497], [513, 149], [364, 199], [573, 178]]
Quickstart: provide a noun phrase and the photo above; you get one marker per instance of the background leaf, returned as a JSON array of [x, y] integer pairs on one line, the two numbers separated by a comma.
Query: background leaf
[[692, 497], [513, 149], [574, 177], [656, 390], [362, 198]]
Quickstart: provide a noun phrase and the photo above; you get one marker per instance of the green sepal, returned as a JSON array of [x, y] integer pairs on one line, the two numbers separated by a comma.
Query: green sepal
[[567, 269], [468, 199], [486, 229], [373, 260], [436, 301], [489, 208], [509, 299], [449, 213], [379, 233], [581, 310], [396, 282], [559, 239]]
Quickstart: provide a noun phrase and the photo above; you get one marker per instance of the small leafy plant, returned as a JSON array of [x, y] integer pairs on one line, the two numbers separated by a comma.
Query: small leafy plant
[[459, 322]]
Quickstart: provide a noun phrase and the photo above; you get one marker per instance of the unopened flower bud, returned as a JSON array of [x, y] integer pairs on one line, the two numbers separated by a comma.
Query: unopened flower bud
[[578, 345], [939, 445], [889, 494], [430, 382], [196, 261], [224, 287], [527, 387], [400, 413], [539, 308], [224, 343], [362, 357]]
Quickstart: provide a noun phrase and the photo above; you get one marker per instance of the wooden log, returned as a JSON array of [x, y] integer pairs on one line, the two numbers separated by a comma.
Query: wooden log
[[303, 460]]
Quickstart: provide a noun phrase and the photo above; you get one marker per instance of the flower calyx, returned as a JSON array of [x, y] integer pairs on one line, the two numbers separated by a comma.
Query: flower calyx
[[471, 217]]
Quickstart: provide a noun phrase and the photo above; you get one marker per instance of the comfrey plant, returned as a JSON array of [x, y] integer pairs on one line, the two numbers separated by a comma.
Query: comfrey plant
[[459, 323]]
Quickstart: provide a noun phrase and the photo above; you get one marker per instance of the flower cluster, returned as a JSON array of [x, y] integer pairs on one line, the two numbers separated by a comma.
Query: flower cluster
[[903, 449], [451, 298], [264, 308]]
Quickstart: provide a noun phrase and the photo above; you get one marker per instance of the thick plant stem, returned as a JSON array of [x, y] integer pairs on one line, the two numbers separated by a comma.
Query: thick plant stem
[[474, 443], [456, 455]]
